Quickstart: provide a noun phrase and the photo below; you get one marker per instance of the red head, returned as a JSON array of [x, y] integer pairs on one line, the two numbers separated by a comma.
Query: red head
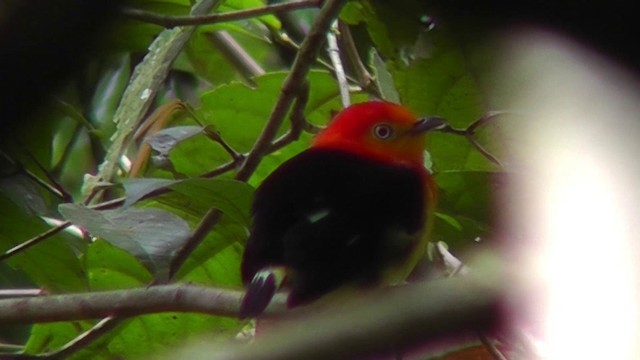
[[379, 130]]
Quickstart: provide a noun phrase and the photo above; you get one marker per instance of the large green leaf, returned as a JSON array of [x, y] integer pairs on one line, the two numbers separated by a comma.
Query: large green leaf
[[148, 335], [217, 259], [151, 235], [393, 26], [448, 87], [136, 189], [231, 197], [109, 267], [52, 336], [51, 264], [239, 113]]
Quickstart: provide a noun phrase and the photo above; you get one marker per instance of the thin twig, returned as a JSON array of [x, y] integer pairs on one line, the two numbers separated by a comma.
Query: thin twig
[[236, 55], [298, 121], [334, 55], [491, 347], [455, 267], [55, 189], [362, 75], [83, 340], [209, 220], [34, 241], [16, 293], [292, 85], [54, 230], [140, 93], [137, 98], [489, 116], [470, 131], [53, 186], [169, 21], [222, 169], [482, 150]]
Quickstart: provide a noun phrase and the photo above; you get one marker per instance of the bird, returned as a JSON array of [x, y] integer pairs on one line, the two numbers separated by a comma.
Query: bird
[[353, 209]]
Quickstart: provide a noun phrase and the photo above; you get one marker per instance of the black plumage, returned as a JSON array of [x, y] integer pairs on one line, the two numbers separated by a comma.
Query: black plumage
[[333, 218]]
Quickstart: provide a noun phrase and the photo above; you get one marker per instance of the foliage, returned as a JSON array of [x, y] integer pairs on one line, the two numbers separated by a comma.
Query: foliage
[[132, 244]]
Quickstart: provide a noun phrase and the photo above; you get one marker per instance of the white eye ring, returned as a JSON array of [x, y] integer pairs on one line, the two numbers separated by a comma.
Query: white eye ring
[[383, 131]]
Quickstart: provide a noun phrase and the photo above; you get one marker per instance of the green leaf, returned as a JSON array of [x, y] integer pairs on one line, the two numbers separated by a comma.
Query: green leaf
[[463, 210], [448, 88], [393, 26], [51, 264], [136, 189], [217, 259], [108, 93], [222, 245], [166, 139], [151, 235], [235, 5], [109, 267], [135, 36], [210, 61], [449, 220], [231, 197], [52, 336], [239, 113], [151, 335], [383, 78]]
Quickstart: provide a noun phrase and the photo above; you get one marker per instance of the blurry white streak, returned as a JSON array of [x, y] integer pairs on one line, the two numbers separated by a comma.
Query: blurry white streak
[[453, 265], [577, 195], [125, 163], [71, 229]]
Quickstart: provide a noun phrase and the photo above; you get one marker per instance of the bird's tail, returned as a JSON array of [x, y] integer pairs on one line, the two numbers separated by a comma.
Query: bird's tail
[[263, 287]]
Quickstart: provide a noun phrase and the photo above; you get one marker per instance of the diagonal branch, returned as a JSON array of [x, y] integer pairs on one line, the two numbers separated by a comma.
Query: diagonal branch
[[140, 93], [292, 88]]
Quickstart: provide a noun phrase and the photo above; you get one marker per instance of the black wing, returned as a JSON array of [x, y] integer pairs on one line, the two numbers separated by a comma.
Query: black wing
[[333, 218]]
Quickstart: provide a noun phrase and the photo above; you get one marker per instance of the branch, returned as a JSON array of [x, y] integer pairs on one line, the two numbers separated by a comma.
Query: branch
[[54, 230], [334, 55], [298, 121], [140, 93], [292, 87], [169, 21], [235, 54], [85, 339], [442, 125], [381, 320], [362, 75], [385, 320], [120, 303]]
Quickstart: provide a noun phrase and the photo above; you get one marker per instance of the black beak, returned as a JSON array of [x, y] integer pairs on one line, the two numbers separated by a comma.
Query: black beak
[[428, 123]]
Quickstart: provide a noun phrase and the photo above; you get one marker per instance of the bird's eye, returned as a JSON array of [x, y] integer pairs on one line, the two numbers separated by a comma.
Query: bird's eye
[[383, 131]]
